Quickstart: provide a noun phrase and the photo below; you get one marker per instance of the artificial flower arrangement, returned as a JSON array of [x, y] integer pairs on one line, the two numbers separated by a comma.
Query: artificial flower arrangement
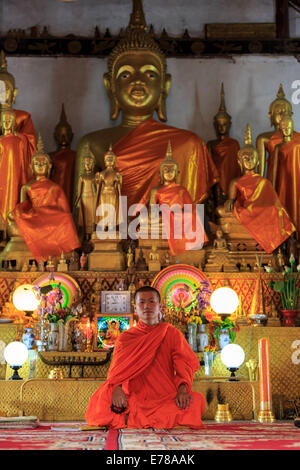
[[50, 303], [287, 286], [216, 325], [209, 348], [201, 303]]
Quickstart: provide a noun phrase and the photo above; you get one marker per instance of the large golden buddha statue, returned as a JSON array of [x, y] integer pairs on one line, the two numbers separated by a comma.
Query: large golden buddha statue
[[267, 141], [224, 150], [137, 84], [8, 94], [255, 204]]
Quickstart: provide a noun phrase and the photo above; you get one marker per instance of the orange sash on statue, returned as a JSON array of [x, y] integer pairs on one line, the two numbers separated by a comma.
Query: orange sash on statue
[[270, 147], [45, 220], [225, 158], [144, 361], [25, 126], [260, 211], [15, 157], [63, 171], [187, 222], [140, 152], [288, 179]]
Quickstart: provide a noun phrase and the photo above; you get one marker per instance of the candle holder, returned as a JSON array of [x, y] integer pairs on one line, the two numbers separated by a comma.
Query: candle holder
[[88, 346], [266, 416]]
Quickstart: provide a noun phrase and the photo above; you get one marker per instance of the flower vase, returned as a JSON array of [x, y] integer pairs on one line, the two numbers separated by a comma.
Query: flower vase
[[202, 338], [224, 338], [289, 317], [28, 338], [192, 340], [208, 357], [53, 337]]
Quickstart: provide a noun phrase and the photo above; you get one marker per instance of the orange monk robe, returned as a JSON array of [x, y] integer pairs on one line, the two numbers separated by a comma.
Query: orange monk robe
[[45, 220], [63, 171], [25, 126], [270, 147], [140, 153], [144, 362], [224, 156], [288, 180], [15, 157], [182, 224], [260, 211]]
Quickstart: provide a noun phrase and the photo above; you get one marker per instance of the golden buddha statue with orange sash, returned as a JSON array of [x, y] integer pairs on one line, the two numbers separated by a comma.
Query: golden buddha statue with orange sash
[[8, 94], [224, 149], [63, 159], [286, 171], [254, 202], [43, 215], [137, 84], [267, 141], [15, 157]]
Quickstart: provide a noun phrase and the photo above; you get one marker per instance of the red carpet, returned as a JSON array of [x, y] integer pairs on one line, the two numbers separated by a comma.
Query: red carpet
[[236, 435]]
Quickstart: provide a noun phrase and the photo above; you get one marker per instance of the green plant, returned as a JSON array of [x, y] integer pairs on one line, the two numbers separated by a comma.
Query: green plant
[[287, 285], [217, 325]]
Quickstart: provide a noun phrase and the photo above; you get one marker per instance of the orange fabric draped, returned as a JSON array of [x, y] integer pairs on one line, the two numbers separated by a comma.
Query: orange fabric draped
[[224, 156], [15, 156], [45, 220], [260, 211], [144, 360], [270, 147], [288, 180], [140, 152], [25, 126], [187, 221], [63, 171]]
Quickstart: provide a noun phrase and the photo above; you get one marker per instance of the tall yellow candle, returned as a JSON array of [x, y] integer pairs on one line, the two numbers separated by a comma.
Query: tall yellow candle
[[264, 375]]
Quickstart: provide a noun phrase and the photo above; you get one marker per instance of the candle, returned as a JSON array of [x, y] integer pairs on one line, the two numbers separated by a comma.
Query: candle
[[88, 330], [264, 375]]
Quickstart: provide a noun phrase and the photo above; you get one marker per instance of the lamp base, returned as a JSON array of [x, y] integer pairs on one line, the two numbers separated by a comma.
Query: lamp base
[[266, 416], [15, 375]]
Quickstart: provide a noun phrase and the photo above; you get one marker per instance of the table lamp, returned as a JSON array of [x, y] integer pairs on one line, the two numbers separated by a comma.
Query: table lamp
[[232, 356], [24, 299], [224, 301], [15, 354]]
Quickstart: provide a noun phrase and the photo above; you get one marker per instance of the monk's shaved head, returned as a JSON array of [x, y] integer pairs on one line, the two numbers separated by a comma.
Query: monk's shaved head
[[146, 289]]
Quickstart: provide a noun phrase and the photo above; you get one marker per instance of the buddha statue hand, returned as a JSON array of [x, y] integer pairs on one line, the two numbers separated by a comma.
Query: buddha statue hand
[[228, 205]]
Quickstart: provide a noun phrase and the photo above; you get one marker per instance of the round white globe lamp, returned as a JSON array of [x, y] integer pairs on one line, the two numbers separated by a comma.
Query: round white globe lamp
[[232, 356], [224, 301], [15, 354], [24, 299]]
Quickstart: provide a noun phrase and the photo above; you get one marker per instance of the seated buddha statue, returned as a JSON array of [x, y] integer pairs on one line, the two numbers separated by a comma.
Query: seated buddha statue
[[286, 170], [224, 152], [43, 215], [8, 94], [267, 141], [137, 84], [63, 159], [15, 157], [255, 204], [182, 226]]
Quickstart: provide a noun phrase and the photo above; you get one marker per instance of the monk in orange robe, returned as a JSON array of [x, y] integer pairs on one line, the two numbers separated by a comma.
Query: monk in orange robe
[[255, 203], [15, 157], [150, 377], [43, 216]]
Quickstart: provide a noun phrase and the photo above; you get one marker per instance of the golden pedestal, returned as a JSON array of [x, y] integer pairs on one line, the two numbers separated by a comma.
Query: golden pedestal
[[223, 414], [107, 255], [266, 416], [220, 261], [16, 249]]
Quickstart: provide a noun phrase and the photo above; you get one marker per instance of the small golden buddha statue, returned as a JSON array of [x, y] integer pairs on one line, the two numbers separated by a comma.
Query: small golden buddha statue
[[63, 158], [130, 257], [154, 259], [138, 84], [109, 183], [219, 242], [224, 152], [62, 263], [86, 198], [253, 208], [286, 170]]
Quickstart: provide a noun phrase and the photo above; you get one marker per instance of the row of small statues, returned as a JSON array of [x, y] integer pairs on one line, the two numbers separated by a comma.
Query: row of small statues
[[127, 160]]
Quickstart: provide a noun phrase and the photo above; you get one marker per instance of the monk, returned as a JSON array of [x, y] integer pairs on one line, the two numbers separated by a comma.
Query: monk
[[150, 378]]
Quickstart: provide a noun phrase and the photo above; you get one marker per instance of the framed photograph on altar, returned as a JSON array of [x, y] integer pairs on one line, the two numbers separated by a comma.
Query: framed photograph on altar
[[108, 329], [115, 301]]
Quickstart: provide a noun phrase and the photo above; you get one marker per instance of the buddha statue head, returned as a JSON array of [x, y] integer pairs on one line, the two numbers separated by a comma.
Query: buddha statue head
[[8, 90], [222, 120], [8, 122], [110, 158], [63, 134], [286, 127], [248, 155], [168, 168], [278, 108], [41, 163], [136, 82], [88, 160]]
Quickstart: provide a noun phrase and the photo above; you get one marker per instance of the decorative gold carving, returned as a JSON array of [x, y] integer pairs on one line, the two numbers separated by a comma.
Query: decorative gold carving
[[240, 31]]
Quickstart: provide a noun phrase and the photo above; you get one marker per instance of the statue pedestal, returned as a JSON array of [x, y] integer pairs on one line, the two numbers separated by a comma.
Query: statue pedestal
[[220, 261], [16, 249], [107, 255], [154, 266]]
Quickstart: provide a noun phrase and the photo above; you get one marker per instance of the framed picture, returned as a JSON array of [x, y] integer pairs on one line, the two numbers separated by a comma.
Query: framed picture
[[115, 301], [108, 329]]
